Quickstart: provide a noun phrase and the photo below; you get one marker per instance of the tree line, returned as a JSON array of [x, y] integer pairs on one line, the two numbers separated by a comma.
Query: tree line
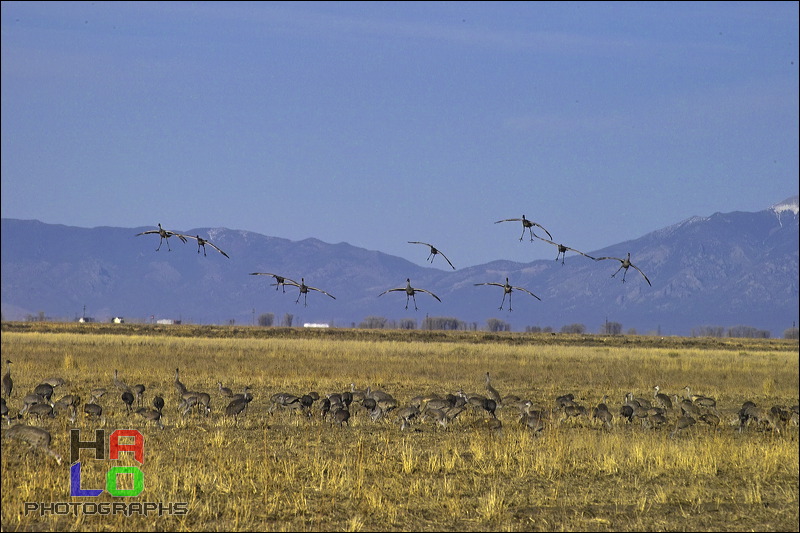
[[607, 328], [497, 325]]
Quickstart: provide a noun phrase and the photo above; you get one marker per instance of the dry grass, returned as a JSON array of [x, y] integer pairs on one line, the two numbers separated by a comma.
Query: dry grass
[[286, 472]]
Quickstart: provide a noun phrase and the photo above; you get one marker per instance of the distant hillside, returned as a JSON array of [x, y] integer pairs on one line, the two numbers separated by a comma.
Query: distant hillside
[[727, 269]]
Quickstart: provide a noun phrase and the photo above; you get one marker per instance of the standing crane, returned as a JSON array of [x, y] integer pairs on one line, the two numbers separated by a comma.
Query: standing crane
[[493, 394], [8, 383]]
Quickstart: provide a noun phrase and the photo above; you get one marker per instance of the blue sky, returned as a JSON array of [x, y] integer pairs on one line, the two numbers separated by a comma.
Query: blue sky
[[381, 123]]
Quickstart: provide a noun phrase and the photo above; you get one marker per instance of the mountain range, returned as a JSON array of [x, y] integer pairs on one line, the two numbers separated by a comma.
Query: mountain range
[[725, 270]]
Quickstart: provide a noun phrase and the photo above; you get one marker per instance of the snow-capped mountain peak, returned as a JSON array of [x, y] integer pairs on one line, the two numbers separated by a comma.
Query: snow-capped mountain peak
[[790, 204]]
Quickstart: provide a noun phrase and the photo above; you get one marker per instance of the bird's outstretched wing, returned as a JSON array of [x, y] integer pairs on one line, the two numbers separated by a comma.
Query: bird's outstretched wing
[[642, 273], [214, 246], [320, 290], [448, 261], [539, 225], [276, 276], [392, 290], [601, 258], [526, 290], [429, 292], [509, 220], [491, 283]]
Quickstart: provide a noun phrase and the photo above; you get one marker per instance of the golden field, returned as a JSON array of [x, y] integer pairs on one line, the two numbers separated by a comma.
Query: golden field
[[287, 472]]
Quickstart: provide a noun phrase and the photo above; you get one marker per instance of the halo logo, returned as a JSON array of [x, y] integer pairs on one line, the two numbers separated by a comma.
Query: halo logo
[[112, 484], [115, 447]]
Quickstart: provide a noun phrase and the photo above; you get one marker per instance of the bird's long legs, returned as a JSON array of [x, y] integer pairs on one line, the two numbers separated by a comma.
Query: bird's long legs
[[503, 302]]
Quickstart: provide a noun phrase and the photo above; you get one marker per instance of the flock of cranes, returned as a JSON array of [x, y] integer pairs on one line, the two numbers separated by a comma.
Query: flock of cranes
[[677, 413], [562, 249], [282, 281], [424, 412]]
